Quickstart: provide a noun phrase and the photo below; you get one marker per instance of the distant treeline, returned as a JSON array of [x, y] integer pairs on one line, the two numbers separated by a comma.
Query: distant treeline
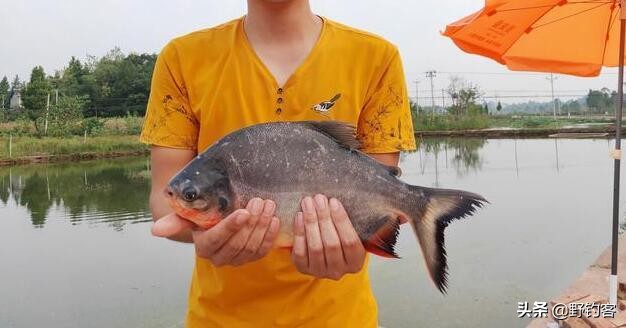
[[595, 102], [113, 85]]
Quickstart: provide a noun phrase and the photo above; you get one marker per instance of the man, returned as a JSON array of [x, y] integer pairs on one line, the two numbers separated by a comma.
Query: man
[[278, 63]]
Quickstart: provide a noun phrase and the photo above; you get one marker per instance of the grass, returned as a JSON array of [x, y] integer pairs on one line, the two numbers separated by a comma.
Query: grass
[[427, 122], [32, 146]]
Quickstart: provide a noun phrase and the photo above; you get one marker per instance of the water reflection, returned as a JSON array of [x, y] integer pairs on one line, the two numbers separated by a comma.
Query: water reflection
[[114, 192], [462, 154]]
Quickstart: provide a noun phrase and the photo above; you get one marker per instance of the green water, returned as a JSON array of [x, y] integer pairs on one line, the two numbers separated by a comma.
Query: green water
[[75, 247]]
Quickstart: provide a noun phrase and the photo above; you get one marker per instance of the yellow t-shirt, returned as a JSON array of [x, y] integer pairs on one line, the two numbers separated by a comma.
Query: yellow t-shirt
[[209, 83]]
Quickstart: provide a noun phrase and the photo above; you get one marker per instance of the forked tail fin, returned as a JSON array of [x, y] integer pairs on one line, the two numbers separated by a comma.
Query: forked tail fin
[[429, 218]]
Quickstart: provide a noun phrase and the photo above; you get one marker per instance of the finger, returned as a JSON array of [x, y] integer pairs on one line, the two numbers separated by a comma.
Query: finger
[[258, 232], [170, 225], [330, 240], [237, 242], [213, 239], [353, 250], [299, 253], [270, 237], [317, 262]]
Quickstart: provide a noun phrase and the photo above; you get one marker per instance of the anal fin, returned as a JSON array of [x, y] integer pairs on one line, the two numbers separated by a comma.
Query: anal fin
[[383, 241]]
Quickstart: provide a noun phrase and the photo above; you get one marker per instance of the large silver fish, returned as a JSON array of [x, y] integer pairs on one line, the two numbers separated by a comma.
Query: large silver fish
[[290, 160]]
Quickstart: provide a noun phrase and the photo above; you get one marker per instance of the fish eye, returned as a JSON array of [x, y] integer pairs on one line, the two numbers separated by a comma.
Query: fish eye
[[190, 194], [223, 203]]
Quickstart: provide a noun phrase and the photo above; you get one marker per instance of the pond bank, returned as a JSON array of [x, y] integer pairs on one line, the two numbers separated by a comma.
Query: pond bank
[[27, 150], [69, 157], [593, 287], [516, 133]]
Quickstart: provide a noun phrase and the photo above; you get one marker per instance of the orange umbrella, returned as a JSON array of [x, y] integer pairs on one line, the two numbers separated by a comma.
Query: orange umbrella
[[576, 37]]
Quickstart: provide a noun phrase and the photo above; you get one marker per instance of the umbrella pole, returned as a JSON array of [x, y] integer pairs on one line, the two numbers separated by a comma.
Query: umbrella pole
[[617, 158]]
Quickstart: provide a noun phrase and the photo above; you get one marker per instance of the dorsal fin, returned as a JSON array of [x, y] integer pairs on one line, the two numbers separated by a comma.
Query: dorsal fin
[[394, 170], [343, 133]]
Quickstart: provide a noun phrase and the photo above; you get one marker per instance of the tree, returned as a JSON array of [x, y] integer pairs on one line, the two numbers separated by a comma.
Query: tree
[[15, 85], [572, 106], [464, 96], [499, 106], [601, 101], [121, 83], [65, 116], [74, 81], [4, 93], [35, 96]]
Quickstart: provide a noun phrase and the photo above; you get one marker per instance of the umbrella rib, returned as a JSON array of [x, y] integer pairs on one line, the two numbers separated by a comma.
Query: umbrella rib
[[603, 2], [608, 31], [572, 15]]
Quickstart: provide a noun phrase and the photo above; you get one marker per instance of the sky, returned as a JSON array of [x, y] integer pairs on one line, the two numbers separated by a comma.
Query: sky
[[49, 32]]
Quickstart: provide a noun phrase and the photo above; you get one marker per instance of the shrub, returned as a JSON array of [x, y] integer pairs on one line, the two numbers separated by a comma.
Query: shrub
[[93, 126]]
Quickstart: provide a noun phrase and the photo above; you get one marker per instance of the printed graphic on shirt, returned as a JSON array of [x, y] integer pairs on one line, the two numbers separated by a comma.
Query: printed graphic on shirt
[[164, 127], [325, 106], [376, 128]]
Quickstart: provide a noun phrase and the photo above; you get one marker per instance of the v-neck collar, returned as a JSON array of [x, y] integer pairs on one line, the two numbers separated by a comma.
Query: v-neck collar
[[302, 67]]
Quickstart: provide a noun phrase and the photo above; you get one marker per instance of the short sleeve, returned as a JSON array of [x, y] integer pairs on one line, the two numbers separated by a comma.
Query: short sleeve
[[385, 124], [169, 120]]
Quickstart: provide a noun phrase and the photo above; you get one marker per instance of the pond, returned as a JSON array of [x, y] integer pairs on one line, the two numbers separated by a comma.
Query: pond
[[76, 250]]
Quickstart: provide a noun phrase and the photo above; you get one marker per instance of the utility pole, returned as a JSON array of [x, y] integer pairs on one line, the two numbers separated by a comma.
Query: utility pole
[[443, 99], [417, 93], [45, 129], [56, 97], [431, 75], [551, 79]]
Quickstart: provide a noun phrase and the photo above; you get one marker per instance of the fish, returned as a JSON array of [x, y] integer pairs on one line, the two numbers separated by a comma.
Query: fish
[[287, 161]]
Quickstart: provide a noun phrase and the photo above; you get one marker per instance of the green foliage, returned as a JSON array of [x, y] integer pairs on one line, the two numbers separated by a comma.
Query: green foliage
[[17, 127], [119, 84], [600, 101], [572, 106], [133, 124], [430, 122], [35, 97], [65, 117], [465, 96], [112, 86], [77, 145], [4, 93], [93, 126], [16, 84]]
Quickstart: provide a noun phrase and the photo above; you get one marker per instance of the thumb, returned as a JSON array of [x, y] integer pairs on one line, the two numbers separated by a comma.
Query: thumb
[[170, 225]]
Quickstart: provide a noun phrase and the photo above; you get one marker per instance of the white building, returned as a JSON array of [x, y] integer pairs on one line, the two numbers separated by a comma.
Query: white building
[[16, 100]]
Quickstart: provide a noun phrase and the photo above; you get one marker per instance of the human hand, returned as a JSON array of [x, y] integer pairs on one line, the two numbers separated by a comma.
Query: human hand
[[244, 236], [325, 242]]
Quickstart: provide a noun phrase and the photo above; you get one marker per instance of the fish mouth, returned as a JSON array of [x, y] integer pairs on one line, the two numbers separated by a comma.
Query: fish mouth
[[204, 218]]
